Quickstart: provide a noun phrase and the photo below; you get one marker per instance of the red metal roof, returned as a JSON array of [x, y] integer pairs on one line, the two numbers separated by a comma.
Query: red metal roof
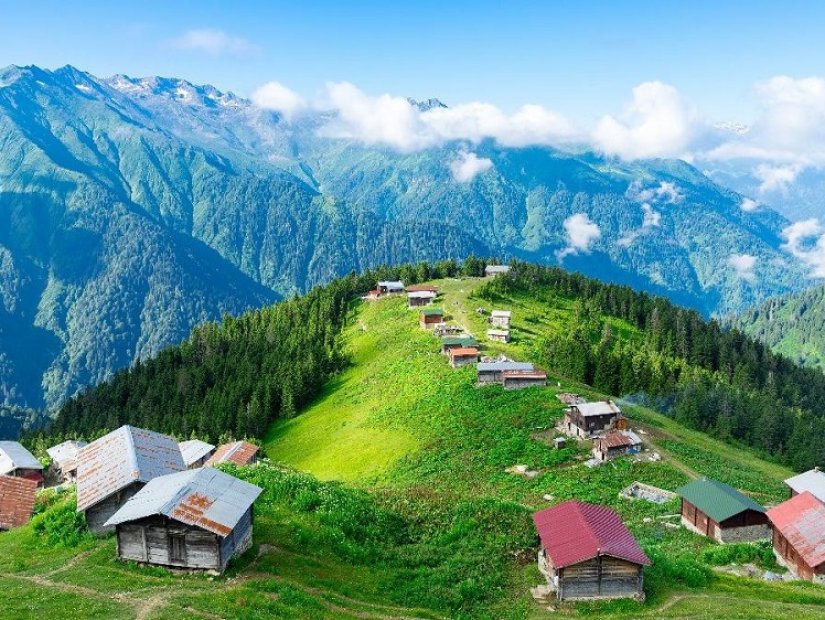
[[421, 288], [615, 439], [573, 532], [462, 351], [238, 452], [16, 501], [801, 520]]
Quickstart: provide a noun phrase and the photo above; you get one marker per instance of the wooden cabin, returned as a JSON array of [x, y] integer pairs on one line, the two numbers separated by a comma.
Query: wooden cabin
[[456, 342], [587, 552], [195, 452], [418, 299], [237, 452], [418, 288], [115, 467], [64, 459], [18, 462], [614, 444], [520, 379], [197, 519], [498, 335], [799, 536], [500, 318], [491, 271], [390, 287], [463, 356], [717, 510], [428, 318], [493, 372], [16, 501], [812, 481], [590, 419]]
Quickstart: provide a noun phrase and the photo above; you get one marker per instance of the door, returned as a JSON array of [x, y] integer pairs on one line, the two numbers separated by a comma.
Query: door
[[177, 549]]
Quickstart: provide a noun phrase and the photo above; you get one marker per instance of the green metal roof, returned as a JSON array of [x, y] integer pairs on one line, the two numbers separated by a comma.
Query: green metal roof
[[461, 341], [716, 499], [431, 311]]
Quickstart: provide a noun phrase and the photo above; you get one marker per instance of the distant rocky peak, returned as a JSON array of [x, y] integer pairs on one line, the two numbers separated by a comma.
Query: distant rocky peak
[[426, 104]]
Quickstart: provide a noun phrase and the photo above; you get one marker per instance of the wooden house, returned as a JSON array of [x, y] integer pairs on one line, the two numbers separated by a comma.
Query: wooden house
[[520, 379], [115, 467], [717, 510], [196, 519], [237, 452], [490, 271], [463, 356], [195, 452], [428, 318], [799, 536], [614, 444], [417, 288], [418, 299], [500, 318], [390, 287], [812, 481], [64, 459], [18, 462], [456, 342], [590, 419], [587, 552], [16, 501], [498, 335], [493, 372]]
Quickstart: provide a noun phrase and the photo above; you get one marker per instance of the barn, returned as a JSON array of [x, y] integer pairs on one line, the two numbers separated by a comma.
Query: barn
[[587, 552], [520, 379], [196, 519], [64, 459], [717, 510], [463, 356], [614, 444], [799, 536], [237, 452], [590, 419], [16, 501], [430, 317], [113, 468], [18, 462], [416, 299], [195, 452], [389, 287], [493, 372], [812, 481]]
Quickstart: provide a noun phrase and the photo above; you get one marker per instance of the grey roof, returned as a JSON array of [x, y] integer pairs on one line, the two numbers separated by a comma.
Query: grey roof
[[66, 451], [598, 408], [393, 284], [504, 314], [122, 457], [422, 295], [502, 366], [14, 456], [193, 450], [497, 268], [812, 481], [203, 497]]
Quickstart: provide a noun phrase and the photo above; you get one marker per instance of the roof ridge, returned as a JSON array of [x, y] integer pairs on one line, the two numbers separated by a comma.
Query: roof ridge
[[580, 505], [130, 440]]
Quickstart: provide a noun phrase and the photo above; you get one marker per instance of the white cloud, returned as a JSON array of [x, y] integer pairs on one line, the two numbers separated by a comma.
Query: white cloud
[[748, 205], [468, 165], [211, 41], [651, 218], [581, 233], [776, 178], [806, 241], [275, 96], [743, 265], [658, 122]]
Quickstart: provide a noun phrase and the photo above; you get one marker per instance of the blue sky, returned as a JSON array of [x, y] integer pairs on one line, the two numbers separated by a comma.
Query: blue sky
[[579, 58]]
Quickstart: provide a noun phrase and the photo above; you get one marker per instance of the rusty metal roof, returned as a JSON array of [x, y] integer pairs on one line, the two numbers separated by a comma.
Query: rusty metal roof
[[64, 454], [238, 452], [536, 373], [801, 520], [619, 439], [16, 501], [193, 450], [122, 457], [206, 498], [14, 456]]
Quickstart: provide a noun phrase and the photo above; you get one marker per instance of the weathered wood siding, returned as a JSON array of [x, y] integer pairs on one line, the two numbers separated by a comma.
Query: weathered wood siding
[[151, 540], [98, 514], [601, 577], [523, 382]]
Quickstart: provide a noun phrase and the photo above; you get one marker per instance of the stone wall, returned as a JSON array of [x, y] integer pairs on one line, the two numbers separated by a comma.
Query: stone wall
[[748, 533]]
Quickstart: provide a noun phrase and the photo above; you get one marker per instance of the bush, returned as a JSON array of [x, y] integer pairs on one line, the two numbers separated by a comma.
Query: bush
[[59, 524], [760, 553]]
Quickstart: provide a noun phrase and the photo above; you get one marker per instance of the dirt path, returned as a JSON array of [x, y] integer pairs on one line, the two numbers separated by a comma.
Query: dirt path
[[652, 436]]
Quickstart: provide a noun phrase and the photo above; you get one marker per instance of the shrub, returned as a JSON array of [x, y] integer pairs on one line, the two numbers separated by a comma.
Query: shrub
[[60, 525]]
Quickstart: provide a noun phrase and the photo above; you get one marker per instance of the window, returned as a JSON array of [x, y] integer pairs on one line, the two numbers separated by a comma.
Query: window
[[177, 548]]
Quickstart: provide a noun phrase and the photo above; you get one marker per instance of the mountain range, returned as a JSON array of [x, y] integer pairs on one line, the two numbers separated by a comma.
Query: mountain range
[[133, 209]]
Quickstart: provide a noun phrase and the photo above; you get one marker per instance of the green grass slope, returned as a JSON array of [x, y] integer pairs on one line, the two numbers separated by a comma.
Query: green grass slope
[[414, 515]]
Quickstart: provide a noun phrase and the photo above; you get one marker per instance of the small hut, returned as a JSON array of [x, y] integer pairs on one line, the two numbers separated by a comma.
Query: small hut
[[493, 372], [18, 462], [463, 356], [419, 288], [196, 519], [717, 510], [799, 536], [237, 452], [614, 444], [587, 552], [812, 481], [418, 299], [520, 379], [390, 287], [590, 419], [428, 318], [64, 459], [456, 342], [498, 335], [500, 318], [16, 501], [195, 452]]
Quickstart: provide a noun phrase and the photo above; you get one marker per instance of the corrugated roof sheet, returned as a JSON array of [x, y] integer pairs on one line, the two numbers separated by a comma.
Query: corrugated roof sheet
[[431, 311], [65, 453], [619, 439], [524, 374], [120, 458], [238, 452], [801, 520], [14, 456], [415, 288], [463, 351], [501, 314], [812, 480], [395, 285], [421, 294], [598, 408], [16, 501], [193, 450], [502, 366], [573, 532], [203, 497], [457, 341], [716, 499]]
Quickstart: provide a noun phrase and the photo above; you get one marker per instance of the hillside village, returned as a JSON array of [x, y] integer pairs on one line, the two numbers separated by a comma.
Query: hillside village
[[168, 503]]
